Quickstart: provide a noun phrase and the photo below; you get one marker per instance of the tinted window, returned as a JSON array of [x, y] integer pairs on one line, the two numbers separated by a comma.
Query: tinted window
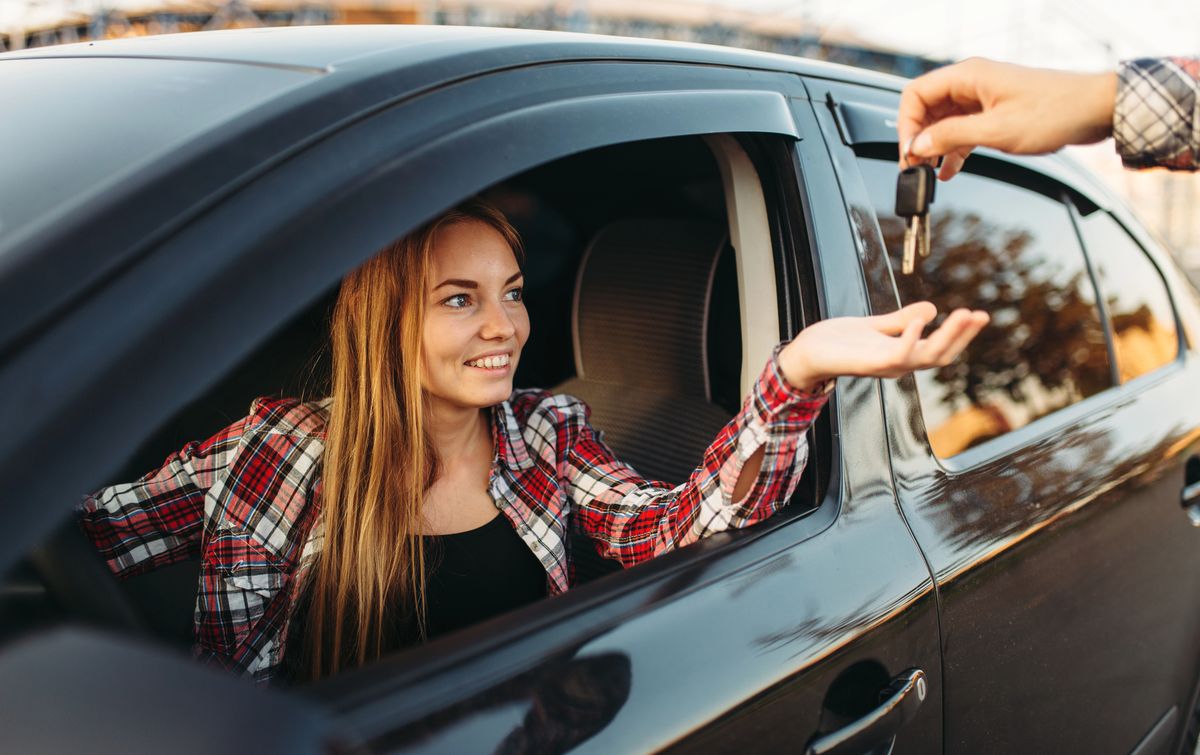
[[1139, 308], [1015, 254]]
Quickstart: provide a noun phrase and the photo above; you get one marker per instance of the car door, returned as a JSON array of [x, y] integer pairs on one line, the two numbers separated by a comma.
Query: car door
[[1041, 477], [770, 637], [818, 627]]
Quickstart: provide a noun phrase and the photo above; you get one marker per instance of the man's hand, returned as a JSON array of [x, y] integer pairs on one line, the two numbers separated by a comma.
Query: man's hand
[[982, 103], [882, 346]]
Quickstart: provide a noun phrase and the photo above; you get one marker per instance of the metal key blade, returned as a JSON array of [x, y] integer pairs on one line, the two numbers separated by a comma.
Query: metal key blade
[[911, 231], [914, 193]]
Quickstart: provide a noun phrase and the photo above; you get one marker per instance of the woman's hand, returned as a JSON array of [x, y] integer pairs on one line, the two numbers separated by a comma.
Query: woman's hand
[[882, 346]]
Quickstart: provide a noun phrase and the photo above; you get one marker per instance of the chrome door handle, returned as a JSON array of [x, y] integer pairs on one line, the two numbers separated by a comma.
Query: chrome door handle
[[902, 698]]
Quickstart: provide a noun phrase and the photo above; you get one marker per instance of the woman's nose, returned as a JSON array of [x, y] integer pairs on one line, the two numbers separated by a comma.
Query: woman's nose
[[497, 324]]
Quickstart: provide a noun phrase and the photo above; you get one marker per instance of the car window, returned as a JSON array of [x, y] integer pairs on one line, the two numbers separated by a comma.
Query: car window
[[1015, 254], [651, 222], [1139, 308]]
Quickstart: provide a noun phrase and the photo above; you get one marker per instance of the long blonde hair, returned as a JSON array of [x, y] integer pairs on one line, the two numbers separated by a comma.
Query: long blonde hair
[[378, 461]]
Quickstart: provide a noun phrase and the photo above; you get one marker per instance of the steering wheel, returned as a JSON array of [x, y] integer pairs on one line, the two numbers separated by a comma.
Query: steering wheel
[[79, 581]]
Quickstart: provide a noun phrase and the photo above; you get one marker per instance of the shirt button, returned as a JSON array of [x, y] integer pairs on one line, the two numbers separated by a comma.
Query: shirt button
[[537, 547]]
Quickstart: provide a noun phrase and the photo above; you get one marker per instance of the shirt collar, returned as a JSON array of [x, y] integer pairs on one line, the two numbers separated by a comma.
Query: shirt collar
[[506, 432]]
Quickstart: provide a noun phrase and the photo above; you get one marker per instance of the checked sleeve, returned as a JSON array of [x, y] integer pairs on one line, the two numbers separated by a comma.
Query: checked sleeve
[[1155, 117], [631, 519], [158, 519]]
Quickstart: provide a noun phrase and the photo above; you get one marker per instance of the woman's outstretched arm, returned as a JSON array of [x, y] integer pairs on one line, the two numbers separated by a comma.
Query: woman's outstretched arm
[[753, 465], [158, 519], [883, 346]]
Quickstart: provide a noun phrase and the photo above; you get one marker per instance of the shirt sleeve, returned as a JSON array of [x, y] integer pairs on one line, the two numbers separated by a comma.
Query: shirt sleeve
[[632, 519], [1155, 122], [158, 519]]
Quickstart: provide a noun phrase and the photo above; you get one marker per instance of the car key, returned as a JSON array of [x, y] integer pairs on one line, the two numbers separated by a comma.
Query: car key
[[914, 194]]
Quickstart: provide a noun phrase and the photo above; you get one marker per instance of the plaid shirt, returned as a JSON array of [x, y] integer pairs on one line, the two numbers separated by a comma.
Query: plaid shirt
[[1155, 118], [247, 501]]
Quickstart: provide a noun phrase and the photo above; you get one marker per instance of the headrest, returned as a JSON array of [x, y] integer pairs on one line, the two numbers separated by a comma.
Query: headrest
[[641, 305]]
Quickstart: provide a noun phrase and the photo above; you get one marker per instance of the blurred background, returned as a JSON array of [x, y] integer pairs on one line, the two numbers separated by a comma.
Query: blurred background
[[900, 38]]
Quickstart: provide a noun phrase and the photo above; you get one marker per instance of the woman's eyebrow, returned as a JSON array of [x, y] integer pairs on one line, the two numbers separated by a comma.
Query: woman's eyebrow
[[463, 283]]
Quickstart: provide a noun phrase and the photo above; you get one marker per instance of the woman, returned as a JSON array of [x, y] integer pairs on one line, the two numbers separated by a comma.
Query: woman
[[424, 493]]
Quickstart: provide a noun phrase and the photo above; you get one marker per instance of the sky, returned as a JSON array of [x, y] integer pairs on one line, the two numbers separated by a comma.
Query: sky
[[1062, 33]]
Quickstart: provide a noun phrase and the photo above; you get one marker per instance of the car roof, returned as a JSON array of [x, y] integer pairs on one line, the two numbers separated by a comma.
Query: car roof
[[330, 48]]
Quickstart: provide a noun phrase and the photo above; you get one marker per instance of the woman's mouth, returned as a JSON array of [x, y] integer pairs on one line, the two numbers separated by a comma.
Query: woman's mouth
[[496, 362]]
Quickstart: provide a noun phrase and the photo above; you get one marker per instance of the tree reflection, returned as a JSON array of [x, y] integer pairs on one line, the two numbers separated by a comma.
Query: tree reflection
[[1044, 348], [1143, 341]]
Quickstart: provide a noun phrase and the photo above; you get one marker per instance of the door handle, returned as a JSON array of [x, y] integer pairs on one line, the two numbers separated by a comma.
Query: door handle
[[901, 699]]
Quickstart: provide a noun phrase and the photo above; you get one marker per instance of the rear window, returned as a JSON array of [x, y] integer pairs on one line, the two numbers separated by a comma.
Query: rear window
[[73, 128], [1014, 253]]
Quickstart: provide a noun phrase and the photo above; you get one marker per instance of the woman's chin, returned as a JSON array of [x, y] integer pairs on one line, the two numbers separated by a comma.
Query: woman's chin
[[495, 395]]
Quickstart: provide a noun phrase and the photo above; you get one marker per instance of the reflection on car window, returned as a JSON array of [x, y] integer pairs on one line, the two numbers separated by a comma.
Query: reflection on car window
[[1015, 254], [1139, 308]]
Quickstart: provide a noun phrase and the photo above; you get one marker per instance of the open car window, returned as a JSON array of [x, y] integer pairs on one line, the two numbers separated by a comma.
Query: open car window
[[641, 303]]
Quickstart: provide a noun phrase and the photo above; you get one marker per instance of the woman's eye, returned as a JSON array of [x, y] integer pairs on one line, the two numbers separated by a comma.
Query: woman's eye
[[458, 301], [516, 294]]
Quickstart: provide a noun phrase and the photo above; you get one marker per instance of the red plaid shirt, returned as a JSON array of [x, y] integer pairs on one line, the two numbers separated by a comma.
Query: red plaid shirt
[[247, 501], [1154, 116]]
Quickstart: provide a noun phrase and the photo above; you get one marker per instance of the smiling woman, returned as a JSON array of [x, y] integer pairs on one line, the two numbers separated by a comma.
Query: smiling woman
[[426, 494]]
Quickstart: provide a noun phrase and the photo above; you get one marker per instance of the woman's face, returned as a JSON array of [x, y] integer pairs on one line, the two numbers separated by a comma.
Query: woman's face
[[475, 319]]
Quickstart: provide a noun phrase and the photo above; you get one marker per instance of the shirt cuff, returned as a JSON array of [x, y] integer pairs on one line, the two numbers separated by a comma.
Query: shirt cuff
[[1154, 115], [774, 398]]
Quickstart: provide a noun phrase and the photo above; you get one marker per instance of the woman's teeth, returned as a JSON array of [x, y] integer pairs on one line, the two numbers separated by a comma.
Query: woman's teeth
[[490, 363]]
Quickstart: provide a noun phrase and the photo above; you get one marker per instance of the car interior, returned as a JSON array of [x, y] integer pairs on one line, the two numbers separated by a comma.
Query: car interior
[[632, 286]]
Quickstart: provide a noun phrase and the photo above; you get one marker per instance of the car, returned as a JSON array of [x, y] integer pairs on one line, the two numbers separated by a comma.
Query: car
[[1001, 555]]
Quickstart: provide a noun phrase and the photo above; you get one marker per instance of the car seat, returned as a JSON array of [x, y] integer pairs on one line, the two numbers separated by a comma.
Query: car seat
[[657, 347]]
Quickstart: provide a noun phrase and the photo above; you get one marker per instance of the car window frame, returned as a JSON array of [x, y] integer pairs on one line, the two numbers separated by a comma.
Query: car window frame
[[181, 279], [400, 677]]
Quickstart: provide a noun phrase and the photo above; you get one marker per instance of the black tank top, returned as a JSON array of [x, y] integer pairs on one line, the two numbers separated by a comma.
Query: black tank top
[[471, 576]]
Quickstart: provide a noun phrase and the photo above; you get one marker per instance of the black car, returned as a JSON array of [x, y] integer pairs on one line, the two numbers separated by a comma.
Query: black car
[[1001, 555]]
